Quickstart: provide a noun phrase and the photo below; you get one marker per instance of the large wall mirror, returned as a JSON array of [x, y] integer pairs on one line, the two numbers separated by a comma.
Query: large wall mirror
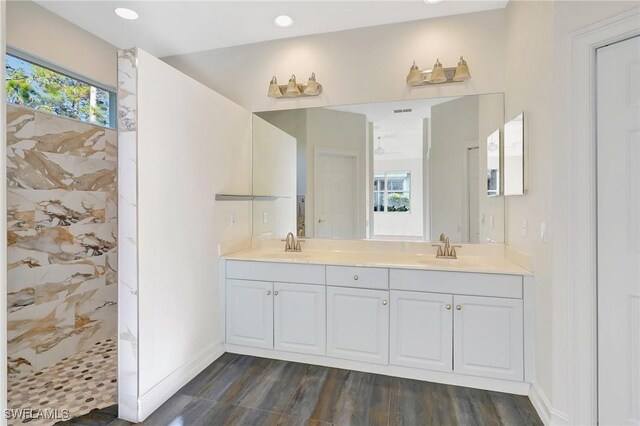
[[407, 170]]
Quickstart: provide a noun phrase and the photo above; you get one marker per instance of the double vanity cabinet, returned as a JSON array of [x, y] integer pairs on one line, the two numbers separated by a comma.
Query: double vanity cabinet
[[393, 321]]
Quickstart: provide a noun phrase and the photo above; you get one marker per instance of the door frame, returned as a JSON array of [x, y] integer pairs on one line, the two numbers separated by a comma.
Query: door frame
[[465, 220], [357, 179], [581, 248]]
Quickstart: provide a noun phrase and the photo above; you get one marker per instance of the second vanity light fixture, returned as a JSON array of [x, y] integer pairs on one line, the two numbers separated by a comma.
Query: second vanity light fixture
[[438, 75], [293, 89]]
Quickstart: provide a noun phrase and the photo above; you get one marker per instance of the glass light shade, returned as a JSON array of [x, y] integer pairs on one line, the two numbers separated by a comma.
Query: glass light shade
[[274, 89], [437, 74], [292, 88], [462, 71], [312, 87], [414, 78]]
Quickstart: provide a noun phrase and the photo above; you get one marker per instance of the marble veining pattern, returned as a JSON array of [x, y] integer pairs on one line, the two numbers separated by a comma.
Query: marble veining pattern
[[62, 238], [127, 269]]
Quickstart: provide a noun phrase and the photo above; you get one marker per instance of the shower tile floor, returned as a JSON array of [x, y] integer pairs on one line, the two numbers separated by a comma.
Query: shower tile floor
[[78, 384]]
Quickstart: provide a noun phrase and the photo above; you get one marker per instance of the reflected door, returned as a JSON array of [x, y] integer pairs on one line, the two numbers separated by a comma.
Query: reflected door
[[618, 158], [473, 185], [335, 187]]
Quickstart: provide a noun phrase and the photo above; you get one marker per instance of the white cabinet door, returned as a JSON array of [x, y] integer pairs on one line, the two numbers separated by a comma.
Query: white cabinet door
[[358, 324], [300, 318], [488, 337], [250, 313], [422, 330]]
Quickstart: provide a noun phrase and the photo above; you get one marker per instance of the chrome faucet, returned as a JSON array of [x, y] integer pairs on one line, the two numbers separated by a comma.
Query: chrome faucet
[[446, 250], [291, 243]]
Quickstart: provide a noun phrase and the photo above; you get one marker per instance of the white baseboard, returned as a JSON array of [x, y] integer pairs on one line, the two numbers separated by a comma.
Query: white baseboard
[[549, 415], [498, 385], [167, 387]]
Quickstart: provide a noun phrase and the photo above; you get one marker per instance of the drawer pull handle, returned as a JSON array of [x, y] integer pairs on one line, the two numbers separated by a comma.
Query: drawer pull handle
[[448, 307], [384, 302], [458, 307], [268, 292], [275, 293], [355, 277]]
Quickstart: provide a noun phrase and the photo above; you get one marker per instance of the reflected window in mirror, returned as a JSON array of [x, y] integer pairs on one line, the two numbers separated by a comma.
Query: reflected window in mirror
[[493, 164], [392, 192]]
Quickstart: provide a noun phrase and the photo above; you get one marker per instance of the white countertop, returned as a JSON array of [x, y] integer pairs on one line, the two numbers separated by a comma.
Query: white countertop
[[400, 260]]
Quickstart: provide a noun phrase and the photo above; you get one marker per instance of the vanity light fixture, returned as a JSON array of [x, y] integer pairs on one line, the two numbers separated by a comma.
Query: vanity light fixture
[[293, 89], [283, 21], [125, 13], [439, 74], [432, 1]]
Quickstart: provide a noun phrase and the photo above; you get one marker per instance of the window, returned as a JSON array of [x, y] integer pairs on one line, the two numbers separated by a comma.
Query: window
[[38, 87], [391, 192]]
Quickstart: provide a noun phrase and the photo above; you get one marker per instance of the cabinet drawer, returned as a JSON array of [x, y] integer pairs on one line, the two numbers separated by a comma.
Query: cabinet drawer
[[351, 276], [465, 283], [280, 272]]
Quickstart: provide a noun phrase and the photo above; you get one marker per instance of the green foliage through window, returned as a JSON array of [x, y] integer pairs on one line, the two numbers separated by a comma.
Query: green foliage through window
[[391, 192], [34, 86]]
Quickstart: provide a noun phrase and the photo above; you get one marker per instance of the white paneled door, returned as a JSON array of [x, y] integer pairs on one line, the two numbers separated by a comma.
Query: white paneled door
[[618, 159], [336, 194], [358, 324], [488, 337], [250, 313], [299, 318], [421, 330]]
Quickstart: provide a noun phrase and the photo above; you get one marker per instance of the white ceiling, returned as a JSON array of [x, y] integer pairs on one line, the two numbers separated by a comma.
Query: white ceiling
[[400, 134], [176, 27]]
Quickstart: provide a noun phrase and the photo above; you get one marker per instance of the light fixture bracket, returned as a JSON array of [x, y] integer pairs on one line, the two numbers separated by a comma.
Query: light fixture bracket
[[426, 75], [301, 88], [449, 74]]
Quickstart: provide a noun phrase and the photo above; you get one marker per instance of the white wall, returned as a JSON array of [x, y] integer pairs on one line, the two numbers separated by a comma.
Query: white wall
[[293, 122], [402, 224], [536, 100], [192, 144], [358, 66], [454, 127], [274, 173], [37, 31], [542, 30]]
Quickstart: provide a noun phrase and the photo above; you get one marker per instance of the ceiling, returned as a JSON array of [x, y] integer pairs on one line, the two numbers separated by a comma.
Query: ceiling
[[400, 134], [168, 28]]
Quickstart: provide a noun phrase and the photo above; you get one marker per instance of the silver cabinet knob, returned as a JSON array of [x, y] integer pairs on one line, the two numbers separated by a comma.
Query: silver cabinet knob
[[384, 302], [448, 307], [458, 307], [275, 293], [355, 277], [268, 292]]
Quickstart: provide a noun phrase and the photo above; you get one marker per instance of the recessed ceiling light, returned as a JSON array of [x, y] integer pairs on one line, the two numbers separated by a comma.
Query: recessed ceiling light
[[283, 21], [125, 13], [432, 1]]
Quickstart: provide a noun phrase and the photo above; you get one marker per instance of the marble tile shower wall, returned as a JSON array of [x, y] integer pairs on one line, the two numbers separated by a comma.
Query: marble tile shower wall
[[62, 234]]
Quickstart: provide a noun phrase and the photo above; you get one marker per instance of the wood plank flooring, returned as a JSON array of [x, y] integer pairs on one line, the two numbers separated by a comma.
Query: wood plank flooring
[[245, 390]]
